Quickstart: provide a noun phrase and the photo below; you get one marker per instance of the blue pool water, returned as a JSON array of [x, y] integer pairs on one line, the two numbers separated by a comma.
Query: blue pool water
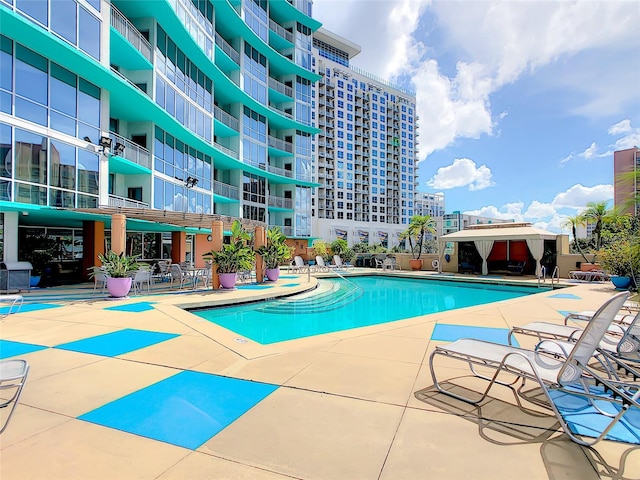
[[340, 304]]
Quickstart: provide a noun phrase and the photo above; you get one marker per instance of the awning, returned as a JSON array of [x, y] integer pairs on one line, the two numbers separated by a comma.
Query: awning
[[516, 231]]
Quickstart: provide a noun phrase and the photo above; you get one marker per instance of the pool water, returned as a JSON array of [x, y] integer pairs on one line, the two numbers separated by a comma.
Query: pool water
[[342, 304]]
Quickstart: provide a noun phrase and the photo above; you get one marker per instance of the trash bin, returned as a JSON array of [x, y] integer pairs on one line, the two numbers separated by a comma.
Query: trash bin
[[15, 275]]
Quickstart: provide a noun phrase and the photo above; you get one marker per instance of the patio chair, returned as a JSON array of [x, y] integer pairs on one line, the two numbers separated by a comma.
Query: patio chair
[[99, 278], [142, 276], [322, 266], [15, 304], [621, 341], [557, 376], [298, 264], [379, 262], [340, 265], [13, 375], [177, 275]]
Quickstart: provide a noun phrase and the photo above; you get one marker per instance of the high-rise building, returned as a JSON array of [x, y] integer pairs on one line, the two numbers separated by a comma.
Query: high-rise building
[[366, 152], [429, 204], [456, 221], [167, 112], [626, 168]]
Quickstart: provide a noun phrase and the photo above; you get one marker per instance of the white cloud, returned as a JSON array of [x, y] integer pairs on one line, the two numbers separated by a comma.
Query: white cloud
[[491, 211], [590, 152], [578, 196], [463, 172], [538, 210], [623, 126]]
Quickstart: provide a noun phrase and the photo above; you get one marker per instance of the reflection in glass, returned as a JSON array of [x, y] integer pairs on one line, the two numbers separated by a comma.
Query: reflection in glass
[[30, 157]]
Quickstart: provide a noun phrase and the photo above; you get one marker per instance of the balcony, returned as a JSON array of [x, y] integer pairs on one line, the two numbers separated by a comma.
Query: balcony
[[132, 151], [131, 33], [280, 144], [224, 190], [280, 202], [223, 117], [226, 150], [281, 31], [280, 87], [228, 49], [200, 29], [287, 230], [116, 201], [281, 112]]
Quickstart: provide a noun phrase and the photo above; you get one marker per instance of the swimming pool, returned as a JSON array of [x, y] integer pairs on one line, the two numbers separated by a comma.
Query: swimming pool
[[340, 304]]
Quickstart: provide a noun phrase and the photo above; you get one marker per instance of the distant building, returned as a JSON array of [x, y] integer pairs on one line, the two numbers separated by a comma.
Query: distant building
[[429, 204], [456, 221], [366, 152], [626, 189]]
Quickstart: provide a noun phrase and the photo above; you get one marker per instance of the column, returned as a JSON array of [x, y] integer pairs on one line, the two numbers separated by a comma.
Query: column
[[92, 244], [217, 237], [118, 233], [259, 240]]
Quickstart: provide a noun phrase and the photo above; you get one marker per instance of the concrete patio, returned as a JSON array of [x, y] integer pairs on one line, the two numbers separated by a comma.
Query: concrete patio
[[356, 404]]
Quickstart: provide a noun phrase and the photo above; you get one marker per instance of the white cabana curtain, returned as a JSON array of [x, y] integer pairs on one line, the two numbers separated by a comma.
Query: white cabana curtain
[[441, 246], [536, 247], [484, 249]]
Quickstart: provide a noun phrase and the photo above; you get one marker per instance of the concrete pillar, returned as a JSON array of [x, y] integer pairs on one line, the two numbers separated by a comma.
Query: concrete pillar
[[217, 237], [10, 237], [118, 233], [178, 246], [259, 240], [93, 243]]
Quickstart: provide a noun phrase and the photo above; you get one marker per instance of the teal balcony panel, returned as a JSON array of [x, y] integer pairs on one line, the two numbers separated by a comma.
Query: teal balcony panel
[[279, 37], [222, 130], [126, 167], [126, 55], [282, 10]]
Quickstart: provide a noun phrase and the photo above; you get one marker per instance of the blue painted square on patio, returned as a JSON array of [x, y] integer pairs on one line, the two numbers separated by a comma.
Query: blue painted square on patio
[[451, 333], [184, 410], [9, 348], [565, 295], [29, 307], [117, 343], [133, 307]]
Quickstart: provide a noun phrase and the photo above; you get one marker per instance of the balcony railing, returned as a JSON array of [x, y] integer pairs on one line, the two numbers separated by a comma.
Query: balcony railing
[[280, 87], [228, 49], [132, 151], [280, 202], [131, 33], [117, 201], [281, 112], [229, 120], [200, 29], [280, 144], [226, 150], [287, 230], [225, 190], [280, 30]]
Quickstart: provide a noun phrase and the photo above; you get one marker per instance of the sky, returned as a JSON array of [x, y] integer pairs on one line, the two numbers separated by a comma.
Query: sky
[[521, 104]]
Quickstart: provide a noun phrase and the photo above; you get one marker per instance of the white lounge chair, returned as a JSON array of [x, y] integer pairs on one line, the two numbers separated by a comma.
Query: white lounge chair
[[340, 265], [322, 266], [298, 264], [570, 375], [13, 375], [15, 304]]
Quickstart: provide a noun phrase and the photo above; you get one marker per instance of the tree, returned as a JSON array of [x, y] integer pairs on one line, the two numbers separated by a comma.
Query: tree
[[419, 225], [574, 223], [598, 213]]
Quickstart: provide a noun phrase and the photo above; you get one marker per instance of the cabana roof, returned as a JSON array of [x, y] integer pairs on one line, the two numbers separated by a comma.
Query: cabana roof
[[497, 232]]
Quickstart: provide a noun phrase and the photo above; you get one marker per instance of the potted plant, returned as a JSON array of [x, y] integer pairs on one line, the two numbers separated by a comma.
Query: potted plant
[[119, 268], [620, 259], [419, 226], [37, 250], [235, 256], [275, 252]]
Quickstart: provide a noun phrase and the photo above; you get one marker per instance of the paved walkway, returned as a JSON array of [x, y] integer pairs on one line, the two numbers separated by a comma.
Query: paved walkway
[[143, 389]]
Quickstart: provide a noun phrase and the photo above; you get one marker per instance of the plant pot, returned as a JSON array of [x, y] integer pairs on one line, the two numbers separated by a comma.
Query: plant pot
[[273, 273], [621, 282], [415, 264], [34, 280], [228, 280], [119, 287]]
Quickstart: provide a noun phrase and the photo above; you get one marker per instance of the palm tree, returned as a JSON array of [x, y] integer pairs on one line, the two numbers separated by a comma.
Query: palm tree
[[419, 225], [598, 213], [574, 222]]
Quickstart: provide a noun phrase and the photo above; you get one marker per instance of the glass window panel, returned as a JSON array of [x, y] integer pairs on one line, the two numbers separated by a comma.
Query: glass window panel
[[168, 196], [86, 201], [89, 28], [5, 102], [63, 18], [60, 198], [6, 72], [30, 157], [5, 190], [36, 9], [158, 193], [31, 82], [32, 194], [88, 165], [94, 3], [88, 108], [63, 91], [85, 130], [62, 165], [63, 123], [5, 150]]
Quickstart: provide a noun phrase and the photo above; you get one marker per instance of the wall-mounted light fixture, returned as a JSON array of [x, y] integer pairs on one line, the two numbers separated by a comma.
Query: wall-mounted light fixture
[[118, 149], [190, 182], [105, 144]]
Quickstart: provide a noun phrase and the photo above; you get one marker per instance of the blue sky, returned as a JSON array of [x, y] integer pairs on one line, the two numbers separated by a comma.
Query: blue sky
[[521, 104]]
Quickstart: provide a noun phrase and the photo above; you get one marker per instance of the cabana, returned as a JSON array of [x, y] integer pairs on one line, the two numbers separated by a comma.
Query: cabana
[[484, 237]]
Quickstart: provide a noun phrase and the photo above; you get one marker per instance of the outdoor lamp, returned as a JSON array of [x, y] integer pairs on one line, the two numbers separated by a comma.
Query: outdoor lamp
[[105, 143], [119, 148]]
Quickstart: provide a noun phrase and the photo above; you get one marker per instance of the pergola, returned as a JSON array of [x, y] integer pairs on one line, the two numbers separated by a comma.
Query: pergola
[[484, 236]]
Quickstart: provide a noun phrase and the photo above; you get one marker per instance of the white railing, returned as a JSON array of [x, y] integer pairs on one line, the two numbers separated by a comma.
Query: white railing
[[225, 190], [231, 52], [280, 144], [281, 112], [117, 201], [226, 118], [280, 30], [131, 33], [280, 87], [226, 150], [281, 202], [200, 29], [132, 151]]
